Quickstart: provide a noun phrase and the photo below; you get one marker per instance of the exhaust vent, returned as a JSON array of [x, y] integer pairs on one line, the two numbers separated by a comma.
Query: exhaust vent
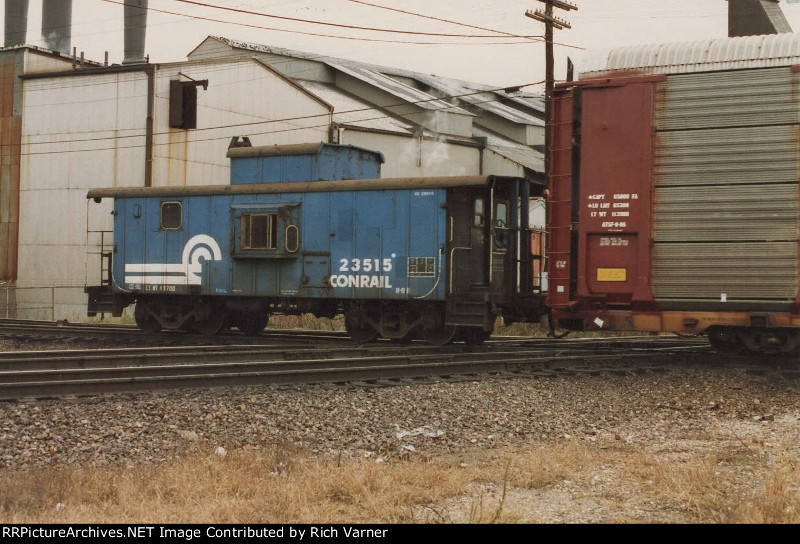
[[57, 25], [16, 23], [135, 29]]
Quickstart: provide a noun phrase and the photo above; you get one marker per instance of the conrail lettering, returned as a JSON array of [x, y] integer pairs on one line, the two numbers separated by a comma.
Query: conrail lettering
[[360, 281]]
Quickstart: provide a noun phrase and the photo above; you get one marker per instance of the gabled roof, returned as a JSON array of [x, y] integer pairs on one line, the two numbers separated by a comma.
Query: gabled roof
[[424, 90], [521, 154], [400, 90], [349, 110], [479, 95]]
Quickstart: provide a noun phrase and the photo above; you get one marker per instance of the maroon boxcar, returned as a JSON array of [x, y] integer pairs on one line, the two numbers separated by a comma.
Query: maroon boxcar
[[675, 197]]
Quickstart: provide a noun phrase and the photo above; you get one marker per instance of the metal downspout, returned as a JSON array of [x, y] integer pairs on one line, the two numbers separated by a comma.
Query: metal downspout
[[148, 137]]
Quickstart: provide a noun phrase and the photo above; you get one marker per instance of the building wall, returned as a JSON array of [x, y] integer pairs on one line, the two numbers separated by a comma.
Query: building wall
[[78, 132], [88, 131], [417, 157], [243, 98], [500, 166], [10, 133], [14, 62]]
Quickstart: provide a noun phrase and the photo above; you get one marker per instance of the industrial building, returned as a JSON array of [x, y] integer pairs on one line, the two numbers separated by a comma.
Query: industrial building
[[71, 125]]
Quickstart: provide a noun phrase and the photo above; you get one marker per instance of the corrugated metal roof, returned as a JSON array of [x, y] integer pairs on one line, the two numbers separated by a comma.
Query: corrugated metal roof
[[448, 86], [352, 111], [398, 89], [475, 95], [699, 56], [518, 153]]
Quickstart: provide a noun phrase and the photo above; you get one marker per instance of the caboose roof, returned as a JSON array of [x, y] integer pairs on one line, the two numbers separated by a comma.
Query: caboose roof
[[303, 187]]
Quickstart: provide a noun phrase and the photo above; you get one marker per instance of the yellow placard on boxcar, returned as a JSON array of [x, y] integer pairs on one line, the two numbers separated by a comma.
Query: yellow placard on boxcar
[[612, 274]]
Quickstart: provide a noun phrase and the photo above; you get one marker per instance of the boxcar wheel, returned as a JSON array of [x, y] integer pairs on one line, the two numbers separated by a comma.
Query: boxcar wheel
[[252, 324], [725, 341]]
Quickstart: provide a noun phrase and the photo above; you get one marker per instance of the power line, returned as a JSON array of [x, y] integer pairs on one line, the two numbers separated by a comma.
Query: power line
[[335, 25], [240, 125], [319, 35], [440, 19]]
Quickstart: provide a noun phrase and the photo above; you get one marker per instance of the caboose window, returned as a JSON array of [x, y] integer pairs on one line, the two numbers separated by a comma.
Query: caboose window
[[171, 215], [478, 215], [259, 231], [501, 213]]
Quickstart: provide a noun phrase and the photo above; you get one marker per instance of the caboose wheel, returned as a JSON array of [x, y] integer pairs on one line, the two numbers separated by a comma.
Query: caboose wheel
[[359, 331], [214, 324], [146, 322], [252, 323], [440, 336], [474, 336]]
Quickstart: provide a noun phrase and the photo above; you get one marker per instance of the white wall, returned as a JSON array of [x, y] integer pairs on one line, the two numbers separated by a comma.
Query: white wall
[[415, 157], [88, 131], [243, 98]]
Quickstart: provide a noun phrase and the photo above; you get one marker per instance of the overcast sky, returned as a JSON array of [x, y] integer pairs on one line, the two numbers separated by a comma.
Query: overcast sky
[[597, 25]]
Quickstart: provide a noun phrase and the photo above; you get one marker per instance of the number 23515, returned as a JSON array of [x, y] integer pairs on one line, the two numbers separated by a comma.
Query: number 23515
[[365, 265]]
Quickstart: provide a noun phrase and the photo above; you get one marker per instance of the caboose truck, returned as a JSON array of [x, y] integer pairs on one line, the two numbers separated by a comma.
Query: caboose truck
[[431, 258], [675, 196]]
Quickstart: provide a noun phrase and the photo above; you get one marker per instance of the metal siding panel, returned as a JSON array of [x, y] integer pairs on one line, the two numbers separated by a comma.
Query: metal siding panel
[[426, 214], [726, 213], [753, 155], [725, 210], [740, 271], [375, 213], [727, 99]]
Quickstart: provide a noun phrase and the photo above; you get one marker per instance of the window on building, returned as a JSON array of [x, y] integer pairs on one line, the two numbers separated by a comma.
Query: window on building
[[183, 103]]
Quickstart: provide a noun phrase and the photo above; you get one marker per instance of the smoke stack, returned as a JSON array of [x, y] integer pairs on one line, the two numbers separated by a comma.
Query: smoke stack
[[756, 17], [16, 24], [57, 25], [135, 29]]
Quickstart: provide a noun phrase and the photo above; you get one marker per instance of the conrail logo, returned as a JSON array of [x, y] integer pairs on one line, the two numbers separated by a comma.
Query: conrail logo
[[197, 250]]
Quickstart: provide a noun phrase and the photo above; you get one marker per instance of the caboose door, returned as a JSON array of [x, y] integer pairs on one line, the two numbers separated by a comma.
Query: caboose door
[[466, 247], [503, 238]]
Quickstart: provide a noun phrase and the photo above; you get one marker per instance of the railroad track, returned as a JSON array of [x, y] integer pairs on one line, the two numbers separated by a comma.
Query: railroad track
[[43, 374], [47, 331]]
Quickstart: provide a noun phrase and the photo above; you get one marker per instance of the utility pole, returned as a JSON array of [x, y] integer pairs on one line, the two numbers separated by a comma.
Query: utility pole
[[550, 22]]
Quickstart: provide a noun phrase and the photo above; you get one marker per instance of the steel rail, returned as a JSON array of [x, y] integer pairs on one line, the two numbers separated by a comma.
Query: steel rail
[[96, 376]]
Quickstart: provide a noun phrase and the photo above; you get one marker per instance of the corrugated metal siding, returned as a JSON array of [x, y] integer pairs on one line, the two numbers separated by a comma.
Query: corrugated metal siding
[[755, 155], [728, 99], [740, 271], [725, 213]]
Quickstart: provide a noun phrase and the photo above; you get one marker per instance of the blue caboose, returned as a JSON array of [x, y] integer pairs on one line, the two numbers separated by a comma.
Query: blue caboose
[[313, 229]]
